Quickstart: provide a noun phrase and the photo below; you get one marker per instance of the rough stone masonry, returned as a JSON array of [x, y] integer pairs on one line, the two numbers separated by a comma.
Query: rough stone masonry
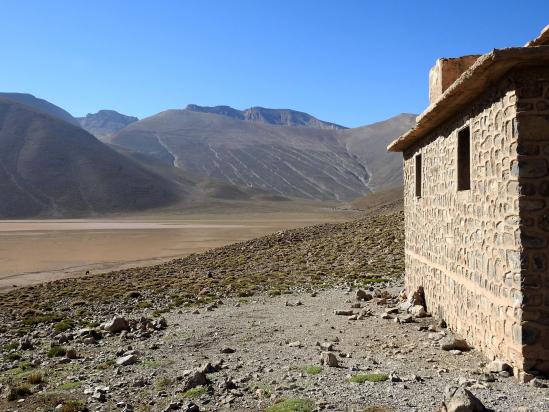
[[476, 198]]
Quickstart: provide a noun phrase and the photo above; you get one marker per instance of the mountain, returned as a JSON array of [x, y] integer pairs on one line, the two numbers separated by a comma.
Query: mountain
[[289, 161], [40, 105], [281, 117], [296, 161], [49, 167], [105, 123], [369, 144]]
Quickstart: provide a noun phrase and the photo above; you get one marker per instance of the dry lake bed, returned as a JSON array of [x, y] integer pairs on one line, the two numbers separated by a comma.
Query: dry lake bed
[[35, 251]]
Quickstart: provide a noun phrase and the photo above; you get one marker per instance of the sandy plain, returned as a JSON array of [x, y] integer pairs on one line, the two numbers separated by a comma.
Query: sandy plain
[[36, 251]]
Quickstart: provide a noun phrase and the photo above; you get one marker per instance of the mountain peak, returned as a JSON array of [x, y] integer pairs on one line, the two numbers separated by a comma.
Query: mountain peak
[[279, 117], [105, 123]]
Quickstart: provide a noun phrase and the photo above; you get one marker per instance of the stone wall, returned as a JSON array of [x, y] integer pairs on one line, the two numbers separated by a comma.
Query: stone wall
[[533, 125], [463, 247]]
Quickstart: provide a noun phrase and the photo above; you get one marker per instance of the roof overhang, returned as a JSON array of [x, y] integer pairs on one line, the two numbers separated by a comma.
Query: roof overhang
[[486, 71]]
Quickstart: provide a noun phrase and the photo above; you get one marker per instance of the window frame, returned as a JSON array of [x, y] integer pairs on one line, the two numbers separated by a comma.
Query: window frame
[[418, 177], [464, 180]]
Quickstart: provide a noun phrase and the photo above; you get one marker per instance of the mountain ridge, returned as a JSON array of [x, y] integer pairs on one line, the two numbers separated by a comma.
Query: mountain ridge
[[281, 117]]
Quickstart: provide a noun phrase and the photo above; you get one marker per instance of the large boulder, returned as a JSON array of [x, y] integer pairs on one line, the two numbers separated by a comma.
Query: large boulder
[[461, 400]]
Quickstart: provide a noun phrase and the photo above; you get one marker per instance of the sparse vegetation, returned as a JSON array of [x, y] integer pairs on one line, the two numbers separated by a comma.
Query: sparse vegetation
[[368, 377], [64, 325], [312, 370], [292, 405], [56, 352], [35, 378], [195, 392], [73, 406], [18, 392], [69, 385]]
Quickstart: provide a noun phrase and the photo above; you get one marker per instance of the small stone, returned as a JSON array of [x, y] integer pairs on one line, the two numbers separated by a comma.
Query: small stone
[[456, 352], [127, 360], [296, 344], [418, 311], [393, 377], [195, 378], [497, 366], [228, 350], [537, 383], [363, 295], [329, 359], [344, 312], [325, 346], [453, 342], [405, 319], [25, 344], [116, 324]]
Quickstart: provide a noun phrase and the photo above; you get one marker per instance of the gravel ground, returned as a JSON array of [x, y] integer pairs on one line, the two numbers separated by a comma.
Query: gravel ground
[[269, 348]]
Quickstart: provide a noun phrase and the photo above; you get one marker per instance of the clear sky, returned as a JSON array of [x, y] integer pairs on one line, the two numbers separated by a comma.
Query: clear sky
[[349, 62]]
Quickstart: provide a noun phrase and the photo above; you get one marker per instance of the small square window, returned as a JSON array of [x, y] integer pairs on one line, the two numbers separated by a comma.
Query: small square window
[[464, 159], [418, 175]]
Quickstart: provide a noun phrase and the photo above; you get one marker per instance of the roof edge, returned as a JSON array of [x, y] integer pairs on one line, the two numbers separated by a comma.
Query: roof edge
[[488, 68]]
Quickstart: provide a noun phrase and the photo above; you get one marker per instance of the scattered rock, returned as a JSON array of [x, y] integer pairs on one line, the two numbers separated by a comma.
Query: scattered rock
[[328, 359], [116, 324], [127, 360], [418, 311], [228, 350], [363, 295], [344, 312], [497, 366], [537, 383], [25, 344], [194, 379], [453, 342], [461, 400]]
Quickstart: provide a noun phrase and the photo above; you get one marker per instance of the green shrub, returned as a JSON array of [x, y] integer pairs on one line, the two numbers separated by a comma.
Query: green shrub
[[56, 352], [369, 377], [64, 325], [292, 405], [195, 392], [18, 392]]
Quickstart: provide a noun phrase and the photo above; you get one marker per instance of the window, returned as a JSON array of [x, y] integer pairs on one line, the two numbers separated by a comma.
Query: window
[[464, 159], [418, 175]]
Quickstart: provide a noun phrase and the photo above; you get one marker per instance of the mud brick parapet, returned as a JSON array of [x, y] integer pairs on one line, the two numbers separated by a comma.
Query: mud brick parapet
[[481, 254]]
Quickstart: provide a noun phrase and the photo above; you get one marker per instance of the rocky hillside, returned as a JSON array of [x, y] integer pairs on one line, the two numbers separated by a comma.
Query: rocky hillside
[[280, 117], [105, 123], [288, 161], [322, 163], [49, 167], [369, 143]]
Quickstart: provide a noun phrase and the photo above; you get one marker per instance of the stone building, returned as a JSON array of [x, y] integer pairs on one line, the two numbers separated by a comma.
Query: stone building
[[476, 199]]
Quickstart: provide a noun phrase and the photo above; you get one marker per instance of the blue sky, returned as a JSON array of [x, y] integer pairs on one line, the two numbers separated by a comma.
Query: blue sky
[[349, 62]]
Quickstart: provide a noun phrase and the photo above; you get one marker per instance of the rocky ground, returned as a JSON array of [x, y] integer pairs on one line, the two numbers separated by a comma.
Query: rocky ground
[[303, 320]]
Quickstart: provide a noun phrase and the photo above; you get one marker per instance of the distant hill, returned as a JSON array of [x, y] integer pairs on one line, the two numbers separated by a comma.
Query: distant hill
[[281, 117], [104, 123], [325, 163], [49, 167], [369, 144], [40, 105], [288, 161]]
